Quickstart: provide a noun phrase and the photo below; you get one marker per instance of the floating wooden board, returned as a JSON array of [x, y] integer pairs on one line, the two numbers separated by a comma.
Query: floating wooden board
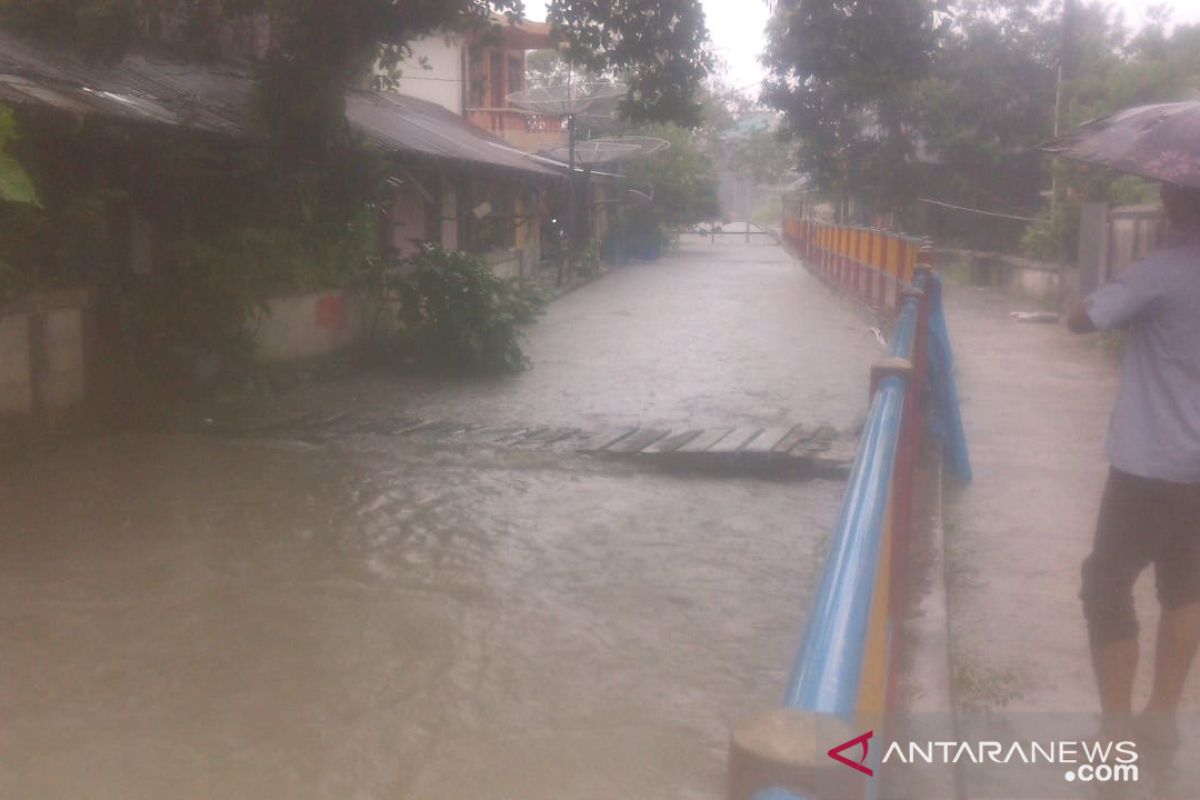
[[606, 439], [705, 440], [793, 437], [765, 442], [635, 443], [736, 440], [778, 446], [673, 441]]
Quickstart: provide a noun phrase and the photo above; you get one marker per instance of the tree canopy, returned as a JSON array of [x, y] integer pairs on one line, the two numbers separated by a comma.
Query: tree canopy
[[320, 46], [660, 47], [840, 71]]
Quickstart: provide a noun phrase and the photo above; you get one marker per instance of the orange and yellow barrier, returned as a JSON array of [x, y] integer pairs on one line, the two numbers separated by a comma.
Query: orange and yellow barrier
[[872, 263]]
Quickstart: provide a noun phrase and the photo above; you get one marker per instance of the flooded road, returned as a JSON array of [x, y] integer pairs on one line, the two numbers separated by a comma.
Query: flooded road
[[371, 617]]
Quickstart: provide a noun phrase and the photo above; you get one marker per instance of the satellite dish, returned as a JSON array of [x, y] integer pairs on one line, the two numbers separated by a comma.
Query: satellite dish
[[646, 145], [570, 100], [608, 150], [593, 151], [636, 197]]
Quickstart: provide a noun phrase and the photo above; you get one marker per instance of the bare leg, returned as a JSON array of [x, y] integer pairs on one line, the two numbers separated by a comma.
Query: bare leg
[[1115, 664], [1178, 637]]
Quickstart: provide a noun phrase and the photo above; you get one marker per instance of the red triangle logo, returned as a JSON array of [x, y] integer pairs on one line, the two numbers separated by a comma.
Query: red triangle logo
[[864, 740]]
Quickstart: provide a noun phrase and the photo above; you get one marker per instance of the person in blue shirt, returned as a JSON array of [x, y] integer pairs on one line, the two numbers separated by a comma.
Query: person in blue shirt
[[1150, 511]]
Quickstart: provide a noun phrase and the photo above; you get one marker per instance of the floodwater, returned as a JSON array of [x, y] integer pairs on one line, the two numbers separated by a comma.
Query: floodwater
[[186, 616]]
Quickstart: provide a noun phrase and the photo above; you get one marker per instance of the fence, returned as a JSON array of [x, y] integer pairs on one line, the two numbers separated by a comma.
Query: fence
[[875, 264], [1110, 239], [844, 679]]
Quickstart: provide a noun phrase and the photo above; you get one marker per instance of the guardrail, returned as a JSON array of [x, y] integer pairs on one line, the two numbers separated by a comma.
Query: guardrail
[[872, 263], [843, 679]]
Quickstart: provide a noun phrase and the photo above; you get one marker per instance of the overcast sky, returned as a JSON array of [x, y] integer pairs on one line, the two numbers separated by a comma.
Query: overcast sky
[[737, 29]]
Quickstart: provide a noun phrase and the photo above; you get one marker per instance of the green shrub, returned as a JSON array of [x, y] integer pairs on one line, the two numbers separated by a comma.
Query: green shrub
[[456, 314]]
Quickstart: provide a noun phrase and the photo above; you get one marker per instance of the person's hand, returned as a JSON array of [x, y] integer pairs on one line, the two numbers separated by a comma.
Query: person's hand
[[1078, 319]]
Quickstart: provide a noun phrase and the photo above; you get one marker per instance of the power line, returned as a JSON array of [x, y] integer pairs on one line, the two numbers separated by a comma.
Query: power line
[[975, 210]]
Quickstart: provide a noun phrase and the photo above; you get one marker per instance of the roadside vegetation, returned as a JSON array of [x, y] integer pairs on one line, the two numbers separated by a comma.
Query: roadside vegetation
[[235, 223], [893, 105], [455, 314]]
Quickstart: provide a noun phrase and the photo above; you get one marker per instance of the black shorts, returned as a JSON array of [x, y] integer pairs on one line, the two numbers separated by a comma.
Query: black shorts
[[1142, 521]]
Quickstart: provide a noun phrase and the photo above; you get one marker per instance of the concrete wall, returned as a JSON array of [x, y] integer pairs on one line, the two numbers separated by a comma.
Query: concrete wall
[[309, 325], [1040, 281], [42, 364], [16, 375], [507, 263], [61, 375], [442, 83]]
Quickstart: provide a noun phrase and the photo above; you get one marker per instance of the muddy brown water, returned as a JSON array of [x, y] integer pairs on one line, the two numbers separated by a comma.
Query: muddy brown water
[[186, 616]]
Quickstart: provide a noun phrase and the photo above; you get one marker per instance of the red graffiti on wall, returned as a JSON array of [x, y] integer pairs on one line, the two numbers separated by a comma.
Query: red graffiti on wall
[[331, 312]]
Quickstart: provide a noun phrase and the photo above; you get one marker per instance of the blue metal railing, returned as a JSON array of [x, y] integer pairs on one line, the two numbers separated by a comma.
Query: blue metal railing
[[849, 633], [827, 673]]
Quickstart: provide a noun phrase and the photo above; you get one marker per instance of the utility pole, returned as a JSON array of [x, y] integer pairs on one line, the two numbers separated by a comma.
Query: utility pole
[[1068, 55]]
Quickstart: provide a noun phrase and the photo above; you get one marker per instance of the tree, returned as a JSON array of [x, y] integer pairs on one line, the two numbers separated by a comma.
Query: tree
[[681, 178], [760, 156], [319, 47], [659, 46], [15, 184], [841, 70], [980, 116]]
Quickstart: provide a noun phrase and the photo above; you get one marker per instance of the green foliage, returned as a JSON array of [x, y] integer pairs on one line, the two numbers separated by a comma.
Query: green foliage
[[15, 184], [762, 156], [228, 231], [986, 106], [321, 47], [458, 315], [681, 179], [841, 71], [638, 233], [101, 30], [660, 47], [1113, 71]]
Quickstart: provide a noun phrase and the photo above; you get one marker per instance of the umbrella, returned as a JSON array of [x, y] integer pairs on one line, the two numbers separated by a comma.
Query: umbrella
[[1160, 142]]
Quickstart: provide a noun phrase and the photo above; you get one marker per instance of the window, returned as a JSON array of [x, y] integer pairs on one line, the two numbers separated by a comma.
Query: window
[[516, 74], [477, 91], [496, 78]]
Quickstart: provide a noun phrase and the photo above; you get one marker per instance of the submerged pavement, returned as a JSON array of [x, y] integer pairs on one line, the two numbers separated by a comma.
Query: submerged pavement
[[370, 616], [1036, 401]]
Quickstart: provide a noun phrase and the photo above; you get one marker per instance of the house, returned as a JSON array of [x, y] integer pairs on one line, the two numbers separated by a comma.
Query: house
[[473, 74], [451, 183]]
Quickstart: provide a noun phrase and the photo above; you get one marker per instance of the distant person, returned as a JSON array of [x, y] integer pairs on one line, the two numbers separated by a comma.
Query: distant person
[[1150, 512]]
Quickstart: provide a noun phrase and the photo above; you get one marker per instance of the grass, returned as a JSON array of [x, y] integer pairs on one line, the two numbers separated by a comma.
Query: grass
[[980, 686]]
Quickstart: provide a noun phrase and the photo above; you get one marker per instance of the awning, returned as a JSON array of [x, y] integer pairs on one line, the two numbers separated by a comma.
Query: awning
[[219, 98], [408, 124]]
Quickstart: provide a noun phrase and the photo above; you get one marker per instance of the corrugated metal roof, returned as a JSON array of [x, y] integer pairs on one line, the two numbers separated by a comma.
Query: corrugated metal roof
[[406, 123], [208, 98], [219, 98]]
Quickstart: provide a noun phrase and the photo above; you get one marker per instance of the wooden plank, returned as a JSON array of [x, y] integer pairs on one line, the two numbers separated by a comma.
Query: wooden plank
[[562, 435], [420, 427], [436, 429], [635, 443], [606, 439], [672, 442], [539, 437], [500, 435], [736, 440], [817, 441], [454, 429], [765, 442], [705, 440], [527, 435], [465, 430], [796, 434]]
